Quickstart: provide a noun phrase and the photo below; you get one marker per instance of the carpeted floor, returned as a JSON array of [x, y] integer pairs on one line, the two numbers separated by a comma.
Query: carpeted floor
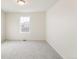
[[28, 50]]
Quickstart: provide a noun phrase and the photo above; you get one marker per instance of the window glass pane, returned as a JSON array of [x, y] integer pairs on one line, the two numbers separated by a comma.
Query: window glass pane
[[25, 23]]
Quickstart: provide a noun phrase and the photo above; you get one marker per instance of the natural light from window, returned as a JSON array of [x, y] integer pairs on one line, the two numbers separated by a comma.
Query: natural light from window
[[24, 24]]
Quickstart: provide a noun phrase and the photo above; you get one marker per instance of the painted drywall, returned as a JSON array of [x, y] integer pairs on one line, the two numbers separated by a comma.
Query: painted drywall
[[61, 28], [2, 26], [37, 26]]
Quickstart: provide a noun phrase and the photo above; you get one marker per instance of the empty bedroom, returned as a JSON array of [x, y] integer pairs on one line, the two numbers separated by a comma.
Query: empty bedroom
[[38, 29]]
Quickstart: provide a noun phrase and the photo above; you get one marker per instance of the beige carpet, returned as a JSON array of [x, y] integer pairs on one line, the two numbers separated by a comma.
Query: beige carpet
[[28, 50]]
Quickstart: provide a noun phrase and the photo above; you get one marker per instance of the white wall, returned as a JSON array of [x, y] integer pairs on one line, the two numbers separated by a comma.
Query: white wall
[[37, 30], [2, 26], [61, 28]]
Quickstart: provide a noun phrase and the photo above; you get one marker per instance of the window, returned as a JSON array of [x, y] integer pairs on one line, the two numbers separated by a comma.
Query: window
[[24, 24]]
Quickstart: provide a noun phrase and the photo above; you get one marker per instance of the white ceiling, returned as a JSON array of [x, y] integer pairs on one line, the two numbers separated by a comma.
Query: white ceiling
[[36, 6]]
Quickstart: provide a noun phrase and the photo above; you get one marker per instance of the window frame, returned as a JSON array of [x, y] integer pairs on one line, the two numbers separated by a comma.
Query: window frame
[[21, 23]]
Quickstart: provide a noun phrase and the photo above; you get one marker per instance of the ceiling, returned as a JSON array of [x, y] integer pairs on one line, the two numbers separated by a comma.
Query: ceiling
[[35, 6]]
